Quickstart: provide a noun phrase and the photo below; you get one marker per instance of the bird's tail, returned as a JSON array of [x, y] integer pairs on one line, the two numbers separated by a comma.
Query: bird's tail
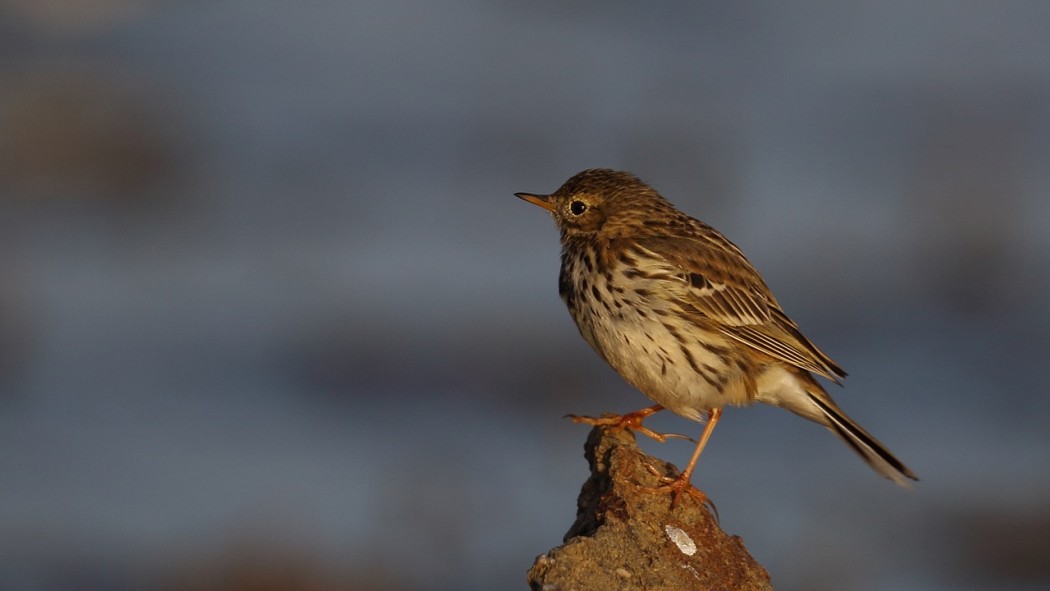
[[869, 448]]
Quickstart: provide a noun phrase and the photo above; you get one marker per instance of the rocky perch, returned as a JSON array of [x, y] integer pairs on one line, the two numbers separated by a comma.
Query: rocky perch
[[625, 538]]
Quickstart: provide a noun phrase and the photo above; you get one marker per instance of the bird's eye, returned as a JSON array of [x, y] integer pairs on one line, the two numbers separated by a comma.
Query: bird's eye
[[577, 207]]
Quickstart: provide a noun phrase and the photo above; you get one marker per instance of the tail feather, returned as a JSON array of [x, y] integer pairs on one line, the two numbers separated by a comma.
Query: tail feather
[[869, 448]]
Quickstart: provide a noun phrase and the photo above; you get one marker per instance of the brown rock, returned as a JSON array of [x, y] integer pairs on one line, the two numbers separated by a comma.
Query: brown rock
[[626, 538]]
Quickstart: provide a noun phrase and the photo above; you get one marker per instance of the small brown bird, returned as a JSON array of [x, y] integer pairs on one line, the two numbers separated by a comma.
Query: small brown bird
[[678, 311]]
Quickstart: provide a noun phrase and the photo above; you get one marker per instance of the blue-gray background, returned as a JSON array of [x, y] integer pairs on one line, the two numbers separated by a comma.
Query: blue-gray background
[[268, 308]]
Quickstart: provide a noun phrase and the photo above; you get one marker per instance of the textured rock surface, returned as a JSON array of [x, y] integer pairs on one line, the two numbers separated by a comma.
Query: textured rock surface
[[625, 538]]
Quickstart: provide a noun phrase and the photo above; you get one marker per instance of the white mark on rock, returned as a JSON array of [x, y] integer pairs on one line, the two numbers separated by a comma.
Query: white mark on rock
[[681, 539]]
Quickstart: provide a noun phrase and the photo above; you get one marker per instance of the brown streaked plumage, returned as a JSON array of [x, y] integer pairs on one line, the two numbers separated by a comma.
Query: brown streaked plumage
[[678, 311]]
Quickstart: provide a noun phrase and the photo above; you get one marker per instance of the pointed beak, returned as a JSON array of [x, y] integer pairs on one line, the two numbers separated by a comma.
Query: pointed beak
[[543, 201]]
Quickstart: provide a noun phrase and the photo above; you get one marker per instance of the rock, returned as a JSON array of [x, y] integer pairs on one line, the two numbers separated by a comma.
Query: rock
[[626, 538]]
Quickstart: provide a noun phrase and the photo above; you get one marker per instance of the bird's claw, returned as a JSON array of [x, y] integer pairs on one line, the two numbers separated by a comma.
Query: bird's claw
[[631, 421], [678, 486]]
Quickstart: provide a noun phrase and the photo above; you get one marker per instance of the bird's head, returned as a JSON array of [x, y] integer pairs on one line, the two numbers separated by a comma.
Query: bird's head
[[599, 200]]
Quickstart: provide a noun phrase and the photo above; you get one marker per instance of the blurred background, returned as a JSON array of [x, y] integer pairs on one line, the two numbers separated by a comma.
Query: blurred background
[[271, 317]]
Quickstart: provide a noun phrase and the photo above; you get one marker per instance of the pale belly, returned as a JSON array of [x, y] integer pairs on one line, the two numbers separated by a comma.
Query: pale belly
[[678, 365]]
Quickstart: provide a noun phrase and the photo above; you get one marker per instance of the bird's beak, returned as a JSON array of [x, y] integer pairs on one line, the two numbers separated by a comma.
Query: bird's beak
[[543, 201]]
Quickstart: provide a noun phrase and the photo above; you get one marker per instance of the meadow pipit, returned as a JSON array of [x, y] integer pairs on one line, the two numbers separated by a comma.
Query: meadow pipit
[[678, 311]]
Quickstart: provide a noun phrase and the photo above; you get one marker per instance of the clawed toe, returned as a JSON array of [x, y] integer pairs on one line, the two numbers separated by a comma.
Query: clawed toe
[[662, 437], [678, 486], [631, 421]]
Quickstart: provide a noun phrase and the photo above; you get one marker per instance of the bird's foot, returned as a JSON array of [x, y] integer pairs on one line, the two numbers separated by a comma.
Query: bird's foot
[[678, 486], [631, 421]]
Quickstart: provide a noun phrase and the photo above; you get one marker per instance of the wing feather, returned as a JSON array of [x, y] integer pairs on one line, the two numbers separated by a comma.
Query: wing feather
[[719, 284]]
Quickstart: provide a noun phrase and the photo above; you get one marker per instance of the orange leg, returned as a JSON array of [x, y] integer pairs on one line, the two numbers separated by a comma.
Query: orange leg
[[682, 483], [631, 421]]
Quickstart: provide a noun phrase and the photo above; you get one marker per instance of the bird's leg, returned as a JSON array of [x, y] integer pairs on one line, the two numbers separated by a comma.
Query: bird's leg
[[682, 484], [631, 421]]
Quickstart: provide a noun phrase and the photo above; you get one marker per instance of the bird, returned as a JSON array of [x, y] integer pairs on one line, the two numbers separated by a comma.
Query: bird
[[682, 315]]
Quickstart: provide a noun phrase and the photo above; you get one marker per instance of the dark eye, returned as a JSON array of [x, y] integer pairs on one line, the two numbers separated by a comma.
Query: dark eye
[[577, 207]]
